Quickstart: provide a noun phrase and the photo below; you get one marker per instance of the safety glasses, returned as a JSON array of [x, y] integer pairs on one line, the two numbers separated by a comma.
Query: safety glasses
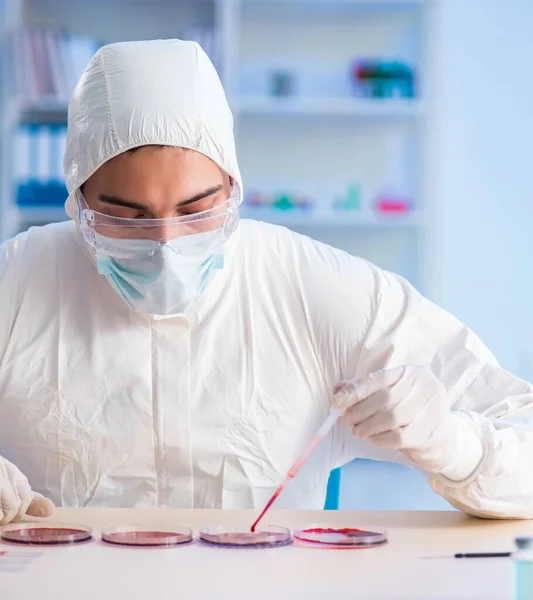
[[221, 220]]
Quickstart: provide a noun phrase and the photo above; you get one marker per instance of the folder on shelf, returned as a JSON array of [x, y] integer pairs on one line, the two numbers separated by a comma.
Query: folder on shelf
[[42, 150], [58, 192], [21, 164], [60, 81], [48, 63], [81, 50], [31, 90], [37, 156]]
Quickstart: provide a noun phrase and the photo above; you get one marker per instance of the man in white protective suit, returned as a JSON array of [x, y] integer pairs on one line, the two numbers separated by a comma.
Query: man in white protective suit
[[158, 352]]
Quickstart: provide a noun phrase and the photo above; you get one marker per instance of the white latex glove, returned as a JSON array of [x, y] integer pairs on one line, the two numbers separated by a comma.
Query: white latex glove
[[407, 409], [17, 497]]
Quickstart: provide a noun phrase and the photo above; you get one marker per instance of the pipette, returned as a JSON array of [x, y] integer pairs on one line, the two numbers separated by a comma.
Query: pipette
[[333, 417]]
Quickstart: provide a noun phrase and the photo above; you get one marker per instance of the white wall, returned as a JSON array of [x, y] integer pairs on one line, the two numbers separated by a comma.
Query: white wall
[[482, 168]]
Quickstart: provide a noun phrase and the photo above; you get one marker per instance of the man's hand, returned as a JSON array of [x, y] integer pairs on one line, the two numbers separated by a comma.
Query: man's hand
[[17, 497], [407, 409]]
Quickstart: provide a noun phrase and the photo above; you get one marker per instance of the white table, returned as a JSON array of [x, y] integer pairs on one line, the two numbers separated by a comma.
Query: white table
[[398, 570]]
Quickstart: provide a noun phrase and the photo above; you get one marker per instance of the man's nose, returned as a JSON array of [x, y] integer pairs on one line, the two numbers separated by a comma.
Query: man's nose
[[164, 230]]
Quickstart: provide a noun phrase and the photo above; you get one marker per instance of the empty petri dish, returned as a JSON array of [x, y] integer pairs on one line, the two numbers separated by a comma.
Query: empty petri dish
[[332, 536], [141, 535], [229, 537], [45, 533]]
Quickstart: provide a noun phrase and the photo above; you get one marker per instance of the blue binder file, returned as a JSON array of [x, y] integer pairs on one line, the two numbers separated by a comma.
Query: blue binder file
[[38, 156]]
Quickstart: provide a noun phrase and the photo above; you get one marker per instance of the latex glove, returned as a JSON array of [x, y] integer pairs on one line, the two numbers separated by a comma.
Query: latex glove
[[17, 497], [407, 409]]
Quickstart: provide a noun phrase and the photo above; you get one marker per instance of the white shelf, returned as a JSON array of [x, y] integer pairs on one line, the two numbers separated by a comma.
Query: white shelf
[[394, 108], [42, 110], [339, 218], [276, 216], [333, 4], [41, 214], [349, 107], [43, 105], [315, 9]]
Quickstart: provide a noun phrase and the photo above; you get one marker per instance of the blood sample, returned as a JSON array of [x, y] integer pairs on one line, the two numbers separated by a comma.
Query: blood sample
[[45, 533], [228, 537], [340, 537], [138, 535]]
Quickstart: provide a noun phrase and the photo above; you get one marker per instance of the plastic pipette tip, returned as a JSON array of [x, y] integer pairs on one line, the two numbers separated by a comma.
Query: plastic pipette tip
[[332, 418]]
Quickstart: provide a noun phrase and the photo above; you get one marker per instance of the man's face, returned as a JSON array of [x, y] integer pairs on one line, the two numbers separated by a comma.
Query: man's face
[[158, 182]]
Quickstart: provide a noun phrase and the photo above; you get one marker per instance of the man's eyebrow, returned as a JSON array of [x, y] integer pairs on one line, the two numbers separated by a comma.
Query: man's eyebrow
[[117, 201], [205, 194]]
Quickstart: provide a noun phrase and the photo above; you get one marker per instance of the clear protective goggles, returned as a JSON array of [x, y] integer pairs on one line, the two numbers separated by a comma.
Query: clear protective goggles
[[216, 223]]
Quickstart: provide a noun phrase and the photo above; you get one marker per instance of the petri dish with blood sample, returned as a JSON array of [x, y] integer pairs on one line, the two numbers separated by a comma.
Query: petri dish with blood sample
[[221, 536], [144, 536], [333, 536], [45, 533]]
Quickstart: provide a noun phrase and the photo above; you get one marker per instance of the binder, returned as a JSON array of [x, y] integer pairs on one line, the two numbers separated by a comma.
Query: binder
[[42, 150], [21, 164], [38, 171], [57, 194], [48, 63]]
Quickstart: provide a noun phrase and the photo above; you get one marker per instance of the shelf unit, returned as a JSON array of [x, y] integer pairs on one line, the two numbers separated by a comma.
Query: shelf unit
[[323, 137], [282, 141]]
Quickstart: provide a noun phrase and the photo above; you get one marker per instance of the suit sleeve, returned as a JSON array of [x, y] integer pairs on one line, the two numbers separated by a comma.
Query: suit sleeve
[[364, 319]]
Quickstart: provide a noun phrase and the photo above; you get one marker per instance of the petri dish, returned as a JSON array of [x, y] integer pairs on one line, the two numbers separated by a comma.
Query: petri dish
[[229, 537], [45, 533], [141, 535], [333, 536]]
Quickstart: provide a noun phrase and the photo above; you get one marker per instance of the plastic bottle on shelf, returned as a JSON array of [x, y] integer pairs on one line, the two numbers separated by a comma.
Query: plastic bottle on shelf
[[393, 203], [284, 201], [351, 201], [394, 197], [523, 569], [253, 199]]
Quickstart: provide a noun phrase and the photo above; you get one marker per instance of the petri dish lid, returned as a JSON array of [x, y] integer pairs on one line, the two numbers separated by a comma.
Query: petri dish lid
[[335, 536], [222, 536], [45, 533], [144, 535]]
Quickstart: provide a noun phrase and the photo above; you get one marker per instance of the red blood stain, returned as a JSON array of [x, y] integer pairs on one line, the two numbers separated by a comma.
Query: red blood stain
[[349, 531], [347, 537]]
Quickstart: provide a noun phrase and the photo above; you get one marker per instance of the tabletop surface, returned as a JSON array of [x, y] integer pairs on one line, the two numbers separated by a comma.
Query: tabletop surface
[[407, 567]]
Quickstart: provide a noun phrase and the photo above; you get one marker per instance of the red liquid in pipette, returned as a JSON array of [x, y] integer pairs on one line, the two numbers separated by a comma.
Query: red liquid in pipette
[[269, 504], [294, 469]]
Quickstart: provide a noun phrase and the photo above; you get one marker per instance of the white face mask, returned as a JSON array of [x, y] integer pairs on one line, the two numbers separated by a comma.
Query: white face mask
[[160, 278]]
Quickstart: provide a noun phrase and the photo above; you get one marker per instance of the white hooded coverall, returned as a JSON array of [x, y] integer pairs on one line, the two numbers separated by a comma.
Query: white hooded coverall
[[104, 406]]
